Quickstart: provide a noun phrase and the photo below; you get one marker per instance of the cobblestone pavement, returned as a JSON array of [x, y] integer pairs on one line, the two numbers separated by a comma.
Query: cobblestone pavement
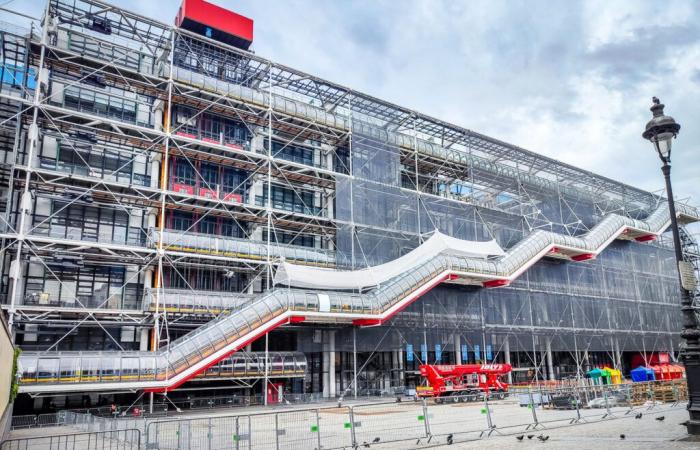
[[646, 433]]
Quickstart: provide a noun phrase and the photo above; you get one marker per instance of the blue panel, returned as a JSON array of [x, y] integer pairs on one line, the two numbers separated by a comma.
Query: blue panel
[[14, 76], [465, 352], [438, 352], [409, 352], [477, 352], [424, 353], [489, 353]]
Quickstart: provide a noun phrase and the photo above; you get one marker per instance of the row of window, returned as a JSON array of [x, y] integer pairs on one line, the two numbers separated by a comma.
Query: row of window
[[78, 221], [204, 125], [87, 286], [203, 279], [215, 226], [290, 200], [211, 61], [99, 103], [208, 180], [107, 164], [291, 152]]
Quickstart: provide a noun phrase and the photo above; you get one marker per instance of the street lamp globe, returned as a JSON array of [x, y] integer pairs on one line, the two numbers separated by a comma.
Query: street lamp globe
[[661, 130]]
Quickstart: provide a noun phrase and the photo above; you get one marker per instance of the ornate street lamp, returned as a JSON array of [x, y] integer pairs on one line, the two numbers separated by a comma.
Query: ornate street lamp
[[660, 131]]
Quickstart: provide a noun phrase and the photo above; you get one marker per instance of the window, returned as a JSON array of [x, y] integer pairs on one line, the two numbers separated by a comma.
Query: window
[[233, 181], [100, 103], [183, 172], [211, 127], [289, 200], [181, 221], [203, 279], [210, 176], [291, 152], [303, 240], [91, 286]]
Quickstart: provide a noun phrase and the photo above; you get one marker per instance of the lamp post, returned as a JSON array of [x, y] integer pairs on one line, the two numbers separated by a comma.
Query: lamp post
[[660, 131]]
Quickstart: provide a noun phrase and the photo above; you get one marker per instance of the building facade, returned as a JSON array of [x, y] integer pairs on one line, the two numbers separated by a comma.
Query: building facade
[[154, 179]]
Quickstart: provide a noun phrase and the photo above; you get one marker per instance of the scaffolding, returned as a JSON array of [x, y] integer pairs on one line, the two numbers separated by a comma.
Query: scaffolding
[[154, 179]]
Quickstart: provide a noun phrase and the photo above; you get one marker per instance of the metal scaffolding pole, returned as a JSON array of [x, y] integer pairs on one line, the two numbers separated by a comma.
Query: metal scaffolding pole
[[25, 200]]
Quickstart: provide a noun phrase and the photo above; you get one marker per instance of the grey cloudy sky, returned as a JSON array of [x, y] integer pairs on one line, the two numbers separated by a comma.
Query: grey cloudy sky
[[571, 80]]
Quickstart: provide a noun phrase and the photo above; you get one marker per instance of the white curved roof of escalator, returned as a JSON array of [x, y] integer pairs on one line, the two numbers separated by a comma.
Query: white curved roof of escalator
[[320, 278]]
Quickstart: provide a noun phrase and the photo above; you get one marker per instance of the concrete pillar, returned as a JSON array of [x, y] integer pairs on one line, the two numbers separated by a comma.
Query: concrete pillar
[[155, 172], [328, 364], [257, 189], [331, 361], [550, 363], [399, 354], [143, 343], [506, 354], [456, 339], [388, 378], [325, 378]]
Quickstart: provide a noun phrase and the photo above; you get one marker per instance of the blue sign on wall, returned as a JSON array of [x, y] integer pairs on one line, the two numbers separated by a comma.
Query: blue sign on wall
[[477, 352], [465, 353], [424, 353], [409, 352], [438, 352], [489, 353]]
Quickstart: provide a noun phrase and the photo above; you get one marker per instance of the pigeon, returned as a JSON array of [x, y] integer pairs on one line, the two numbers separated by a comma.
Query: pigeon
[[661, 418], [542, 438], [622, 436], [638, 416], [520, 438], [376, 440], [449, 439], [530, 436]]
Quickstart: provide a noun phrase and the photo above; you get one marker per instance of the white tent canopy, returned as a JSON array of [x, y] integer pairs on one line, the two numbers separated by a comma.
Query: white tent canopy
[[320, 278]]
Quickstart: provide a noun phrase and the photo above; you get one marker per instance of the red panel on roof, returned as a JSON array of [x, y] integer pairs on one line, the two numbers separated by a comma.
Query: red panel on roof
[[216, 18]]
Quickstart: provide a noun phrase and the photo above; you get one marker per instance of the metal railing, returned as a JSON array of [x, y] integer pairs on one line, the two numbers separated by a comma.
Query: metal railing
[[419, 421], [410, 420], [112, 440], [240, 248]]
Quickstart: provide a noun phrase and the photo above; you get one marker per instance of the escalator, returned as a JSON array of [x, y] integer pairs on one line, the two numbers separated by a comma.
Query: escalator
[[193, 353]]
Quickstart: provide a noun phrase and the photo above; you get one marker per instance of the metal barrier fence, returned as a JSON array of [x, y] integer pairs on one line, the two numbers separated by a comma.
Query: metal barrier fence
[[112, 440], [452, 419], [445, 419]]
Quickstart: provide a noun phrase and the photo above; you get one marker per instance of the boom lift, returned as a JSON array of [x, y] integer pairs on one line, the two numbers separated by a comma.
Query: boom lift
[[463, 380]]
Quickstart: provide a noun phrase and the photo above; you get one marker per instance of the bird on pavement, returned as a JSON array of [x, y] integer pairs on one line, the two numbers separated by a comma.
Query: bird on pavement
[[520, 438], [449, 439], [530, 436], [542, 438], [661, 419], [638, 416], [376, 440], [622, 436]]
